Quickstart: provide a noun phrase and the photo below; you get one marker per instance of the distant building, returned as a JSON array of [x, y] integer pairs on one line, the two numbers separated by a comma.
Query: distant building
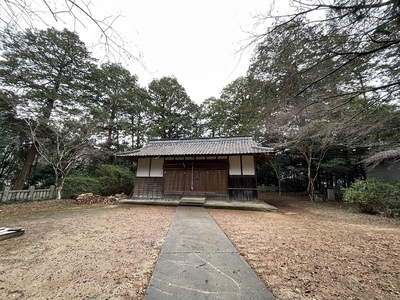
[[215, 168]]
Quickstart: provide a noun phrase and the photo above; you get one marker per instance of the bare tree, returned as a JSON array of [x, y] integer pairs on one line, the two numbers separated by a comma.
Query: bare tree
[[277, 166], [356, 34], [22, 14], [66, 144], [341, 56]]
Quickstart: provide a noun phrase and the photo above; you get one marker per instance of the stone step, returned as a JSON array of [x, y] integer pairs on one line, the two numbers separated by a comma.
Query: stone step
[[192, 201]]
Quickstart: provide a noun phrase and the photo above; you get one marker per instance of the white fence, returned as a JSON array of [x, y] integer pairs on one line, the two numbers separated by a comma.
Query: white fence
[[30, 194]]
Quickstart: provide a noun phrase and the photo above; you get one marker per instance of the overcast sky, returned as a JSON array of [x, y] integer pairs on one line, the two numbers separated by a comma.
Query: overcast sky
[[198, 42]]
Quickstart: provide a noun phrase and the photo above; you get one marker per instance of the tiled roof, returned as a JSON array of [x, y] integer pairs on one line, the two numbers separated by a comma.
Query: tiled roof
[[199, 146]]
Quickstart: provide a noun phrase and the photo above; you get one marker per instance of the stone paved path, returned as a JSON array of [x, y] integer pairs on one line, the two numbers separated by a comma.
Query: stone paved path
[[198, 261]]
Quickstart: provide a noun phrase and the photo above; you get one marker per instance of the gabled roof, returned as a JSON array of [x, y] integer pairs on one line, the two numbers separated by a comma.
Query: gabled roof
[[199, 146]]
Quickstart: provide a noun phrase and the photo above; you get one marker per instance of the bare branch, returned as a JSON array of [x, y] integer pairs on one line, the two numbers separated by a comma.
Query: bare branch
[[344, 7], [21, 13]]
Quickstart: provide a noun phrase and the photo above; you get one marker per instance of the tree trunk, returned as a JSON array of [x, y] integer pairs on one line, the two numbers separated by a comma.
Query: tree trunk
[[279, 187], [132, 131], [24, 173], [277, 174], [139, 133], [59, 189], [310, 186], [30, 157], [60, 179]]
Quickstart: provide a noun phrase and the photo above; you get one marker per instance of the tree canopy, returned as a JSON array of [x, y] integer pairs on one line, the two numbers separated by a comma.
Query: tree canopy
[[335, 72], [361, 37], [172, 113], [322, 89], [48, 72]]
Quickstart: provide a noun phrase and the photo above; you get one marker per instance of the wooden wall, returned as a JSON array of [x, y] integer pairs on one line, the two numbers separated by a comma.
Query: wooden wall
[[243, 188], [213, 177], [148, 188], [196, 178], [242, 180]]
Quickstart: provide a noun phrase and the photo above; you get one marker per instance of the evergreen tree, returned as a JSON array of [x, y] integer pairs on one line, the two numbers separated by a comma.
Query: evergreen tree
[[49, 71], [172, 114]]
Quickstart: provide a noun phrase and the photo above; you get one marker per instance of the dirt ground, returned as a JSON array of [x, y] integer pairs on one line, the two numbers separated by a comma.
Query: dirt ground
[[72, 251], [304, 251], [317, 250]]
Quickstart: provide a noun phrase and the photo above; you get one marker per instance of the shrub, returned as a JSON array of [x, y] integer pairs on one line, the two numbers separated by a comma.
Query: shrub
[[114, 180], [105, 180], [78, 184], [375, 196], [391, 203]]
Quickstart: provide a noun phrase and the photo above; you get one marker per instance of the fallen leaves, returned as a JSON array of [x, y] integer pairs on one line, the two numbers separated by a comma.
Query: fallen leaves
[[317, 250]]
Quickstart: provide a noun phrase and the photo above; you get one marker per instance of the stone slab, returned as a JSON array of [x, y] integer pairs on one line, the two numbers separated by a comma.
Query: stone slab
[[198, 261], [195, 201], [193, 230], [258, 206]]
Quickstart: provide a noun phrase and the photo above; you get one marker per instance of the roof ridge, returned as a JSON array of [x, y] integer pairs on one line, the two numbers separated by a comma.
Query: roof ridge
[[202, 139], [201, 146]]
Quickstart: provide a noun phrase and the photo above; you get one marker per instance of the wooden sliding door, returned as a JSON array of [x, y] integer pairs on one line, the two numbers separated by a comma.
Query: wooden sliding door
[[196, 178]]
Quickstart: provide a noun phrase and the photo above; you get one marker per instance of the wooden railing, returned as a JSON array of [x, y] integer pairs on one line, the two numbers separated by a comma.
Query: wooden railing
[[8, 195]]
